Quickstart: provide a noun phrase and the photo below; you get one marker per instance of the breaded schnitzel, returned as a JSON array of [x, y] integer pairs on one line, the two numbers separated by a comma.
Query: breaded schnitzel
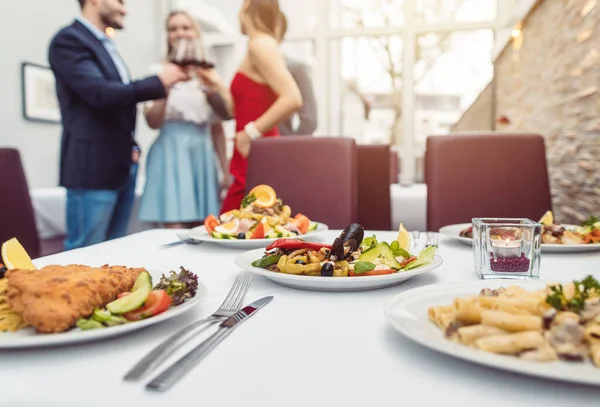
[[53, 298]]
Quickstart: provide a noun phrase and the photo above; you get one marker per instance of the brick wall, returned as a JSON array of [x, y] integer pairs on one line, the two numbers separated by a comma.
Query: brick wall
[[551, 86], [480, 115]]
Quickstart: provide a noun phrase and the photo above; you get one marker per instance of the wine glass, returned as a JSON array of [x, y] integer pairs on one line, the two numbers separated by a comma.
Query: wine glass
[[189, 52]]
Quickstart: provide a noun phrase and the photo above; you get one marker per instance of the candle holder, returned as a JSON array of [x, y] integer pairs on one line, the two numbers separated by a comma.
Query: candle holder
[[506, 248]]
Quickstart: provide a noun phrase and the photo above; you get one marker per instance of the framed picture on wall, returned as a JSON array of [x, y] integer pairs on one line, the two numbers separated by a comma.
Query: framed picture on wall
[[40, 103]]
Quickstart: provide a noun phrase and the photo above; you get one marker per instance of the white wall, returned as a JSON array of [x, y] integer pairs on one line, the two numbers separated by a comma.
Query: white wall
[[27, 27]]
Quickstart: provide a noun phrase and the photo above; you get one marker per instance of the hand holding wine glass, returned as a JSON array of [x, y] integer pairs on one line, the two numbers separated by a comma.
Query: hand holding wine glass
[[189, 52], [170, 74]]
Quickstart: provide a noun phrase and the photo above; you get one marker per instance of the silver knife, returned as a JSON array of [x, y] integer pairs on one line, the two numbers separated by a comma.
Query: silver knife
[[177, 370]]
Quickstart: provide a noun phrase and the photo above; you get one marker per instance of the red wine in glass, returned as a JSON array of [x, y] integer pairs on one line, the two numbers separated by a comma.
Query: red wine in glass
[[188, 52]]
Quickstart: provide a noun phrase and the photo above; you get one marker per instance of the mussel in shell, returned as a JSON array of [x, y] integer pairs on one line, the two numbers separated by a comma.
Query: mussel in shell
[[353, 231], [347, 243]]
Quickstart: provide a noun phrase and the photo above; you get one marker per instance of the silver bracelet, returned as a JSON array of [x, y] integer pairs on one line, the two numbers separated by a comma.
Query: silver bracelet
[[252, 131]]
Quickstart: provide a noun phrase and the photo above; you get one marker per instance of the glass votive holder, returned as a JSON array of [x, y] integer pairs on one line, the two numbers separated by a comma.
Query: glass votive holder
[[506, 248]]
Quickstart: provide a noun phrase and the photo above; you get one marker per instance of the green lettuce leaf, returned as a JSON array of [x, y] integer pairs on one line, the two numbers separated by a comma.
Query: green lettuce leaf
[[424, 258]]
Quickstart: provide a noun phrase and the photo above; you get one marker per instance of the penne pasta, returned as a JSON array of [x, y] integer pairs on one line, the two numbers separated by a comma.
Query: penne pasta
[[592, 334], [521, 305], [510, 322], [433, 313], [595, 354], [468, 312], [538, 326], [467, 335], [513, 291], [511, 344], [544, 353]]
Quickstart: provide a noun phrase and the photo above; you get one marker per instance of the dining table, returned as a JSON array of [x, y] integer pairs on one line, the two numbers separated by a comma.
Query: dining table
[[305, 348]]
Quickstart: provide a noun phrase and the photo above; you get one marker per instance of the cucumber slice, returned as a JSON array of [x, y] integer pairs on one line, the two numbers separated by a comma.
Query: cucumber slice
[[313, 226], [272, 235], [137, 298], [218, 235]]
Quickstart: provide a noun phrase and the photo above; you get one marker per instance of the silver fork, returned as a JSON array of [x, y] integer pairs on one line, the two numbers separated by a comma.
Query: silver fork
[[184, 238], [232, 303], [432, 239]]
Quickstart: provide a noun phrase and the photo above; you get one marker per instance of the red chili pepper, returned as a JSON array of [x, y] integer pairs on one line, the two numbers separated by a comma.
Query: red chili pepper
[[296, 244]]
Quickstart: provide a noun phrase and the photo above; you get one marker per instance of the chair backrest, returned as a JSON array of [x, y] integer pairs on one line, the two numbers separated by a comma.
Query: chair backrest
[[17, 218], [374, 208], [485, 175], [394, 166], [316, 176]]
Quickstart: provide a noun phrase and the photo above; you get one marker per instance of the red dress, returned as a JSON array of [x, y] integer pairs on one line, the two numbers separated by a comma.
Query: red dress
[[251, 100]]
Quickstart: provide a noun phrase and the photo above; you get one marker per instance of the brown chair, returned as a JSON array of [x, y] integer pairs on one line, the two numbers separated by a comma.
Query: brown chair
[[485, 175], [394, 167], [316, 176], [17, 218], [374, 208]]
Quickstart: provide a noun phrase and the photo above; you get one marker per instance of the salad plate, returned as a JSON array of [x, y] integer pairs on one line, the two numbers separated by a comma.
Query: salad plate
[[261, 219], [200, 233], [351, 263]]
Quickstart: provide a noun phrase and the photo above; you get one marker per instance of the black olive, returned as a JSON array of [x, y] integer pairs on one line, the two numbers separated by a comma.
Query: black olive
[[3, 270], [300, 262], [327, 270], [241, 236]]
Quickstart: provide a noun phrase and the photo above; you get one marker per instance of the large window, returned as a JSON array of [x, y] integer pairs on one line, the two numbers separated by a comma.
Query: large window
[[450, 70], [365, 13], [366, 87], [452, 11], [393, 71]]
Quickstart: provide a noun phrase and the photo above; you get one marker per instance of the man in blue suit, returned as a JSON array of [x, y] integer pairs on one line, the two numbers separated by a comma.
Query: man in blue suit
[[97, 97]]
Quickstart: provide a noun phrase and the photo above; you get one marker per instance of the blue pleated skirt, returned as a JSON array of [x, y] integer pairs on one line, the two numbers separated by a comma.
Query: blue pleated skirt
[[182, 182]]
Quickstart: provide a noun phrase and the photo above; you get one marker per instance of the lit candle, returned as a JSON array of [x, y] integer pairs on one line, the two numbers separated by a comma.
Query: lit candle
[[506, 248]]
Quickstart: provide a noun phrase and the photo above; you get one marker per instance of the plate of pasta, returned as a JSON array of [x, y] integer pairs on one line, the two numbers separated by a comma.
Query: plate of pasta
[[545, 329]]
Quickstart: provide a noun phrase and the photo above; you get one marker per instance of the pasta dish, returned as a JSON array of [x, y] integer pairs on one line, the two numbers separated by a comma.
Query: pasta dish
[[560, 322]]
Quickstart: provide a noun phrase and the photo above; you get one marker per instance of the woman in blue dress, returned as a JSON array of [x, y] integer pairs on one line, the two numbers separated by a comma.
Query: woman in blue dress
[[182, 180]]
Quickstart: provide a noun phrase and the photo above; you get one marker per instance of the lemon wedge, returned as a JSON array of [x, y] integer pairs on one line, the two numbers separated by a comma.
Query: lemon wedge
[[15, 256], [403, 238], [547, 219]]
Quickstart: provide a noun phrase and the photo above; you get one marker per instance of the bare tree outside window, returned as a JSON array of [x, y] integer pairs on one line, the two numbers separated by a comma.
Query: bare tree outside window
[[429, 48]]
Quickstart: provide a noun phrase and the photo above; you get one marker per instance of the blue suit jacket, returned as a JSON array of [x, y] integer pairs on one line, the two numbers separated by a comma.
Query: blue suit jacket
[[98, 110]]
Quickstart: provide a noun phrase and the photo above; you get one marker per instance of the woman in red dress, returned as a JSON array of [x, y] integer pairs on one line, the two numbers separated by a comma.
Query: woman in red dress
[[263, 93]]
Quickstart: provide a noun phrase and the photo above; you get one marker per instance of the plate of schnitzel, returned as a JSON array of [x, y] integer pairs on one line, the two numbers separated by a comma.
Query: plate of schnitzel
[[60, 305]]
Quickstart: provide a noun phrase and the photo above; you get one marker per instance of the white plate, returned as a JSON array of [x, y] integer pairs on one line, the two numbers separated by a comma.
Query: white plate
[[199, 233], [407, 312], [28, 338], [453, 231], [318, 283]]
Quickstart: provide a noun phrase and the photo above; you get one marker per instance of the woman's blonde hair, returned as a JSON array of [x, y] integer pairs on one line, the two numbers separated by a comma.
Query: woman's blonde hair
[[191, 19], [264, 15]]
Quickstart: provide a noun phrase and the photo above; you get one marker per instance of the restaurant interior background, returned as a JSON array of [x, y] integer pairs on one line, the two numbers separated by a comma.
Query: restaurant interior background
[[384, 71]]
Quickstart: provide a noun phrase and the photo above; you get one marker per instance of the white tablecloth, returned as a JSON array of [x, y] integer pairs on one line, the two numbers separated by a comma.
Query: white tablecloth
[[409, 206], [50, 214], [304, 349]]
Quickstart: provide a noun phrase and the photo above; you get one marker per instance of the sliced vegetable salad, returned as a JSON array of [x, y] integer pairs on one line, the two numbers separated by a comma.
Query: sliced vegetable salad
[[350, 255], [262, 215], [144, 301]]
